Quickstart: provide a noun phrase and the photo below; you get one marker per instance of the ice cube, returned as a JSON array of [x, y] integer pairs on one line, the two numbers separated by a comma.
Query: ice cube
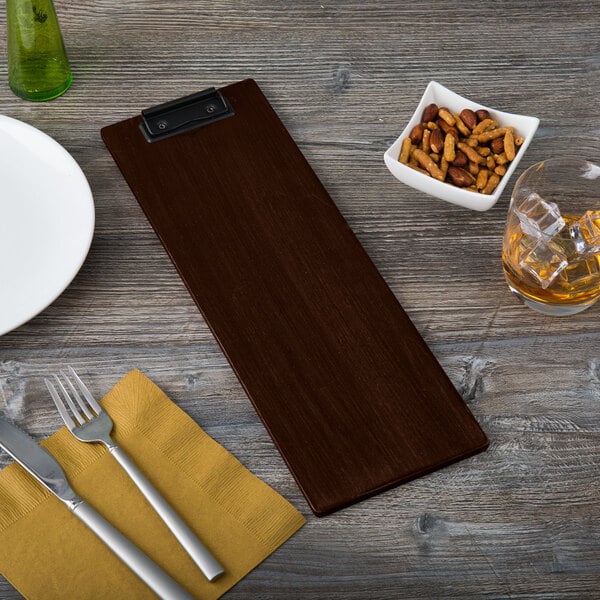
[[580, 274], [539, 218], [572, 240], [589, 226], [544, 261]]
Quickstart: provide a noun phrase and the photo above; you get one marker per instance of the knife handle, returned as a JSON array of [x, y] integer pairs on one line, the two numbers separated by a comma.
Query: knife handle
[[192, 545], [149, 572]]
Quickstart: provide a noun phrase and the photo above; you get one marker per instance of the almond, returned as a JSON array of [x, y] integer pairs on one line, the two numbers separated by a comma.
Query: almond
[[454, 132], [460, 177], [430, 113], [442, 125], [468, 117], [476, 149], [436, 141], [497, 146], [482, 114], [461, 159], [416, 135], [448, 129]]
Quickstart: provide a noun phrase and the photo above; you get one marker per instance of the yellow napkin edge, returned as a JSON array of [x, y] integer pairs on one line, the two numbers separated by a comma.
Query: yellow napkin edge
[[151, 412]]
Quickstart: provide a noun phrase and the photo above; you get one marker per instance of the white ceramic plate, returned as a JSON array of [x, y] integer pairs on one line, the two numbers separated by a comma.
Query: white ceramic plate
[[46, 221], [442, 96]]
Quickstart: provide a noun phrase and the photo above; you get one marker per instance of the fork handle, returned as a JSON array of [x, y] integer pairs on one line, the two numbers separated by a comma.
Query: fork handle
[[188, 540], [149, 572]]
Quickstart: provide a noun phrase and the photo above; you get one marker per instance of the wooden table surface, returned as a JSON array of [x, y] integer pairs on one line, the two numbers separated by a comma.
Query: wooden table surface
[[518, 521]]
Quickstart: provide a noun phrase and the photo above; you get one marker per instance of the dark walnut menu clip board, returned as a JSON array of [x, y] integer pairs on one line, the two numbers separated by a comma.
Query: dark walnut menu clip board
[[350, 393]]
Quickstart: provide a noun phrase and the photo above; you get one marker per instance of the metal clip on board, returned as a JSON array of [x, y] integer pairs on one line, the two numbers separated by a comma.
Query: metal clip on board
[[174, 117]]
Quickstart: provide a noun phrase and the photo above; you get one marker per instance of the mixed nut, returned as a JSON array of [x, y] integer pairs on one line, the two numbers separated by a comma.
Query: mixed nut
[[467, 149]]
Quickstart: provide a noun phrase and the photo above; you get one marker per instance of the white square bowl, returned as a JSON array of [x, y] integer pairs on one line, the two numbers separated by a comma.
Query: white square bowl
[[435, 93]]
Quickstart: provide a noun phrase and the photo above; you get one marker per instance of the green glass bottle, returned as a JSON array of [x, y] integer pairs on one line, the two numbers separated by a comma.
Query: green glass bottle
[[38, 67]]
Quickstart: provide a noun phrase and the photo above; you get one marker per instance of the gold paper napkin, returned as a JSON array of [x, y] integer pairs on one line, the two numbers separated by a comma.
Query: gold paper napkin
[[47, 553]]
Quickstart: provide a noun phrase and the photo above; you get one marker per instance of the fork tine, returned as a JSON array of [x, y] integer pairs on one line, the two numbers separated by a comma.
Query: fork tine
[[77, 416], [82, 404], [64, 413], [86, 393]]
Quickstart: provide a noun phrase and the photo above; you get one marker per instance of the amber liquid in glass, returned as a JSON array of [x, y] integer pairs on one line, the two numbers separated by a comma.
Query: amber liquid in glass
[[578, 282]]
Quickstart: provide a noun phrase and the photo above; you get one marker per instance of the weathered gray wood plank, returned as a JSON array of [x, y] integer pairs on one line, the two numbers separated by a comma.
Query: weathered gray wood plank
[[519, 521]]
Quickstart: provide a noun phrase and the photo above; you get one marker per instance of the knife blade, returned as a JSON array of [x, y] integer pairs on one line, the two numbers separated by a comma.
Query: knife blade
[[35, 459], [44, 467]]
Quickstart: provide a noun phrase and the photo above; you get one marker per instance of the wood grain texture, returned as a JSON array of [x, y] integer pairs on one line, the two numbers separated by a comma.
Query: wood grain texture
[[519, 521], [345, 385]]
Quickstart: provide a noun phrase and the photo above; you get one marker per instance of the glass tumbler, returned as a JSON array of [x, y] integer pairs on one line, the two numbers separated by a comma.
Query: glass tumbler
[[551, 245], [38, 68]]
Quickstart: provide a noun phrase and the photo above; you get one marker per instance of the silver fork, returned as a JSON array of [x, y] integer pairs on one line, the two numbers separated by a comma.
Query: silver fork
[[88, 422]]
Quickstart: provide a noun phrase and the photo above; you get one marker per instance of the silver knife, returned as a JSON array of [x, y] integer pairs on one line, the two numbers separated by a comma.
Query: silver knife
[[42, 465]]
